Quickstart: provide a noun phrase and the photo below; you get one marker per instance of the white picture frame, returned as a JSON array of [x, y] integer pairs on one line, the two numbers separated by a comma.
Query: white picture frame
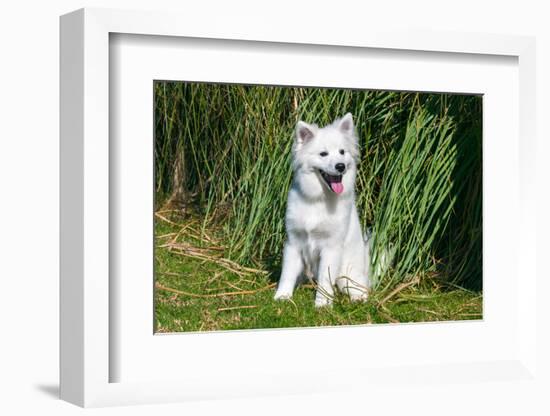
[[86, 305]]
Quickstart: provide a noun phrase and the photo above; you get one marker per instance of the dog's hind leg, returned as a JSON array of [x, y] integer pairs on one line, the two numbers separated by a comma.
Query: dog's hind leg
[[293, 266], [353, 278]]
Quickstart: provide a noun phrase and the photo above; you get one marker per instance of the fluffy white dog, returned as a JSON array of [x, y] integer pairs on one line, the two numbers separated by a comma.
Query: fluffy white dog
[[324, 237]]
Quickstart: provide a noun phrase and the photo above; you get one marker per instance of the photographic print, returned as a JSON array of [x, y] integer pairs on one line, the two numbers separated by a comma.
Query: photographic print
[[280, 207]]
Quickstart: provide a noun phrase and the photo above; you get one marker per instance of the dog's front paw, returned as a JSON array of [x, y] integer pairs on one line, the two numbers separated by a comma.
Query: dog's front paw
[[282, 295], [321, 301], [359, 297]]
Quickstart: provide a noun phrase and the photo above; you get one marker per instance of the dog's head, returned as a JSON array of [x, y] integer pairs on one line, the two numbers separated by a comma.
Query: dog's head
[[331, 153]]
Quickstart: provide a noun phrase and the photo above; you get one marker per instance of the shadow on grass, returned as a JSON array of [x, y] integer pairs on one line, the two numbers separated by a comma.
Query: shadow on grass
[[272, 265]]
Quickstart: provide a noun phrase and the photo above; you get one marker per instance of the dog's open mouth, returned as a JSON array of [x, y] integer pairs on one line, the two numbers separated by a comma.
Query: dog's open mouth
[[333, 181]]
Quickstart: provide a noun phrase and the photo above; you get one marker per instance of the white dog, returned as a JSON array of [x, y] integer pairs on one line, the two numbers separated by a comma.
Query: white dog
[[324, 237]]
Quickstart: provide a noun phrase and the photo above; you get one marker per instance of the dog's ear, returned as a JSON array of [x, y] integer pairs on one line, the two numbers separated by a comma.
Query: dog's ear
[[305, 133], [346, 124]]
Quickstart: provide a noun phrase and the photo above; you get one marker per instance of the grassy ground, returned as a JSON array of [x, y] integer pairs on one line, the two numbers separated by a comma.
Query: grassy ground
[[199, 289]]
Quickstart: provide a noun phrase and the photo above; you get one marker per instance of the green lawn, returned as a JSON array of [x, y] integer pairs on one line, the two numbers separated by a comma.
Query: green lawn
[[198, 289]]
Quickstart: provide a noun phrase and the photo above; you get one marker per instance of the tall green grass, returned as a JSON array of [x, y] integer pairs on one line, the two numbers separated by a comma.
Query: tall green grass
[[223, 152]]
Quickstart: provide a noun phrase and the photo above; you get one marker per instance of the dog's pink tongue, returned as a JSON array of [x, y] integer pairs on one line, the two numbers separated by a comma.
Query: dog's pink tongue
[[337, 187]]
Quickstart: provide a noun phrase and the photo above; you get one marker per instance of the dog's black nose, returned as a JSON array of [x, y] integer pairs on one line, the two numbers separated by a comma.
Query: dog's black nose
[[340, 167]]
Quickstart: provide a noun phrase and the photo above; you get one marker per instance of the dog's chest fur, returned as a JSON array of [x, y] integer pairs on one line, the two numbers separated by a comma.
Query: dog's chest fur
[[317, 223]]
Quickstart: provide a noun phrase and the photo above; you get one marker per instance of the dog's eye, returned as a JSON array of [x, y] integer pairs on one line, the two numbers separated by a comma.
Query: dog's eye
[[323, 154], [341, 151]]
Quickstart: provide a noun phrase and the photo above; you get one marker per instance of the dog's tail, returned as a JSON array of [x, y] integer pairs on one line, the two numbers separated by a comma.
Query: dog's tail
[[379, 260]]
